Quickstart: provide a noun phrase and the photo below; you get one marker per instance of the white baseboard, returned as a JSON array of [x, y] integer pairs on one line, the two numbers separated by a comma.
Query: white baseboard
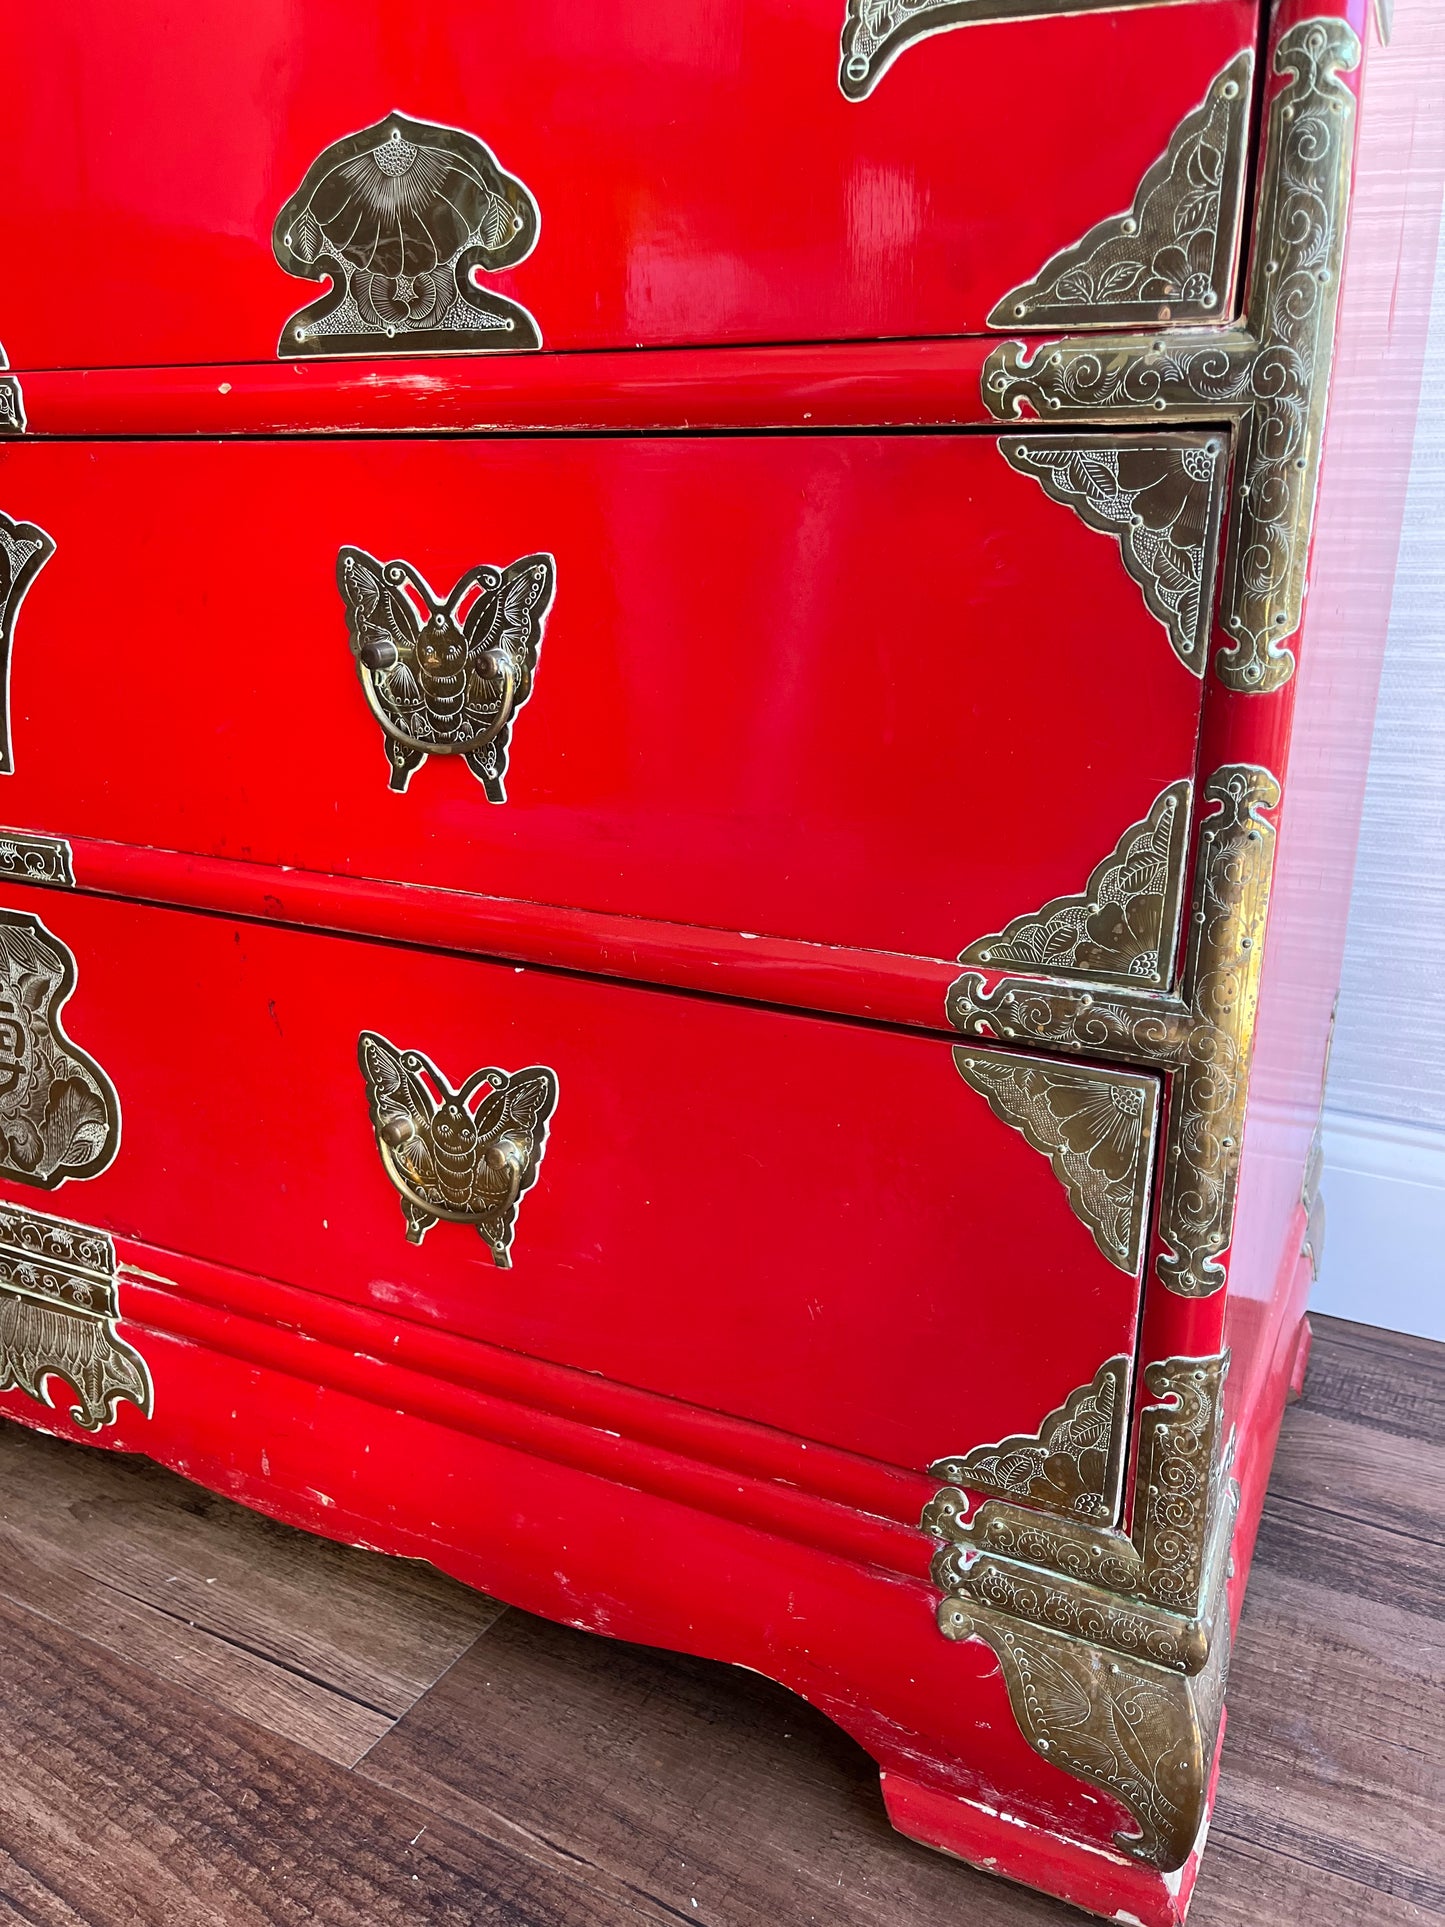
[[1384, 1193]]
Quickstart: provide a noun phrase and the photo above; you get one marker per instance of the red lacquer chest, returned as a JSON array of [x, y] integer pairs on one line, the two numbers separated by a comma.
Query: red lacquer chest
[[684, 692]]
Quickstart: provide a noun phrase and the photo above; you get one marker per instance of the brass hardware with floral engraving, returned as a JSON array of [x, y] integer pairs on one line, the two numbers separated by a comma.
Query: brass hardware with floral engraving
[[1270, 377], [1114, 1646], [463, 1155], [399, 216], [446, 678], [1172, 257], [1160, 498], [1204, 1036], [1095, 1126], [58, 1312], [59, 1114], [1073, 1464], [1123, 926]]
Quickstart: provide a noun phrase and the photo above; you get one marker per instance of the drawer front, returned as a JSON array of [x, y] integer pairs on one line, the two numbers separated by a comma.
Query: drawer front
[[614, 174], [883, 692], [823, 1227]]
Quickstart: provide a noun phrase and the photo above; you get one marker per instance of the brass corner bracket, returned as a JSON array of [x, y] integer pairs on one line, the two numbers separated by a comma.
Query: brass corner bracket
[[1269, 377], [1073, 1464], [875, 32], [1114, 1646], [1161, 498], [1123, 926], [1202, 1036], [1171, 258], [58, 1312], [1097, 1129]]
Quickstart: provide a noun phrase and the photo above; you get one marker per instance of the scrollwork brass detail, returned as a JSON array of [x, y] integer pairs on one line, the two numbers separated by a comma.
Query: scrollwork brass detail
[[1161, 500], [1073, 1464], [58, 1314], [12, 405], [1271, 377], [399, 216], [1172, 257], [59, 1114], [1096, 1127], [875, 32], [1114, 1647], [1204, 1037], [446, 678], [463, 1155], [24, 552], [30, 858], [1124, 925]]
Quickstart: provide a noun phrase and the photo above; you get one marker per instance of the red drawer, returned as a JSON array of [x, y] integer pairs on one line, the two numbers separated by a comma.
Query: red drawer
[[772, 667], [679, 173], [801, 1222]]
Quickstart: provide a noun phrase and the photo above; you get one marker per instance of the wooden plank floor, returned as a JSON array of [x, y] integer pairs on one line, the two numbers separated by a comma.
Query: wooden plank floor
[[208, 1719]]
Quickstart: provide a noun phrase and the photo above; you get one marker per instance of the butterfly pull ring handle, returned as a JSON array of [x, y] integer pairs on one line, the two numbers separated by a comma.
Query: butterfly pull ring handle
[[462, 1156], [446, 677]]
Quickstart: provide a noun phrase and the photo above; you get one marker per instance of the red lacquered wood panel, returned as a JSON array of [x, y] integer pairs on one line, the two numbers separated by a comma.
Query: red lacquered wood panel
[[874, 691], [699, 173], [802, 1222]]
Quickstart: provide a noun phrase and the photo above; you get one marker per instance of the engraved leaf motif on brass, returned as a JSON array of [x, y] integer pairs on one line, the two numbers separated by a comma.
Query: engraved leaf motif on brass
[[1204, 1037], [58, 1314], [1162, 500], [1172, 256], [446, 677], [1145, 1735], [1271, 377], [59, 1114], [1095, 1126], [464, 1155], [1073, 1464], [24, 551], [399, 216], [875, 32], [1124, 924]]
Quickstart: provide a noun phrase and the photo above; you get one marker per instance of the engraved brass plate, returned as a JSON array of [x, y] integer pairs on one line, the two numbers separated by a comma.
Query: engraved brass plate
[[1073, 1464], [446, 678], [24, 552], [1123, 927], [1161, 500], [1095, 1126], [875, 32], [30, 858], [1114, 1647], [463, 1155], [59, 1114], [1204, 1037], [58, 1318], [399, 216], [1172, 257], [1270, 377]]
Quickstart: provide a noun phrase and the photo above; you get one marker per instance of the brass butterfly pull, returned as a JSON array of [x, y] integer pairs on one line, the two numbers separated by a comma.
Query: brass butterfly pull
[[446, 678], [463, 1155]]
